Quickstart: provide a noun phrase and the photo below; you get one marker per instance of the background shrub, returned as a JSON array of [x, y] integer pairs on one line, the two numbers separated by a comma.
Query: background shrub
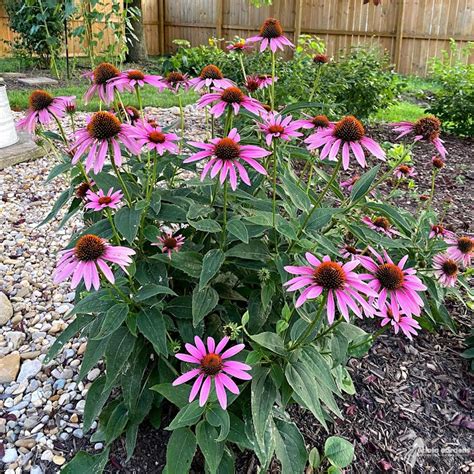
[[454, 100]]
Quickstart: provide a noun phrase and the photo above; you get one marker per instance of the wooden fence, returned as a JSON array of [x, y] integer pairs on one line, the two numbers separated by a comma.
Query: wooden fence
[[412, 31]]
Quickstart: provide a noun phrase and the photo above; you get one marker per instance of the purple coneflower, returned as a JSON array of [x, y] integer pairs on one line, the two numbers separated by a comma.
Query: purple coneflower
[[91, 254], [276, 126], [239, 46], [404, 172], [348, 133], [438, 230], [83, 189], [102, 85], [402, 322], [349, 252], [343, 286], [446, 269], [103, 131], [426, 128], [100, 200], [394, 284], [230, 97], [437, 162], [320, 59], [258, 81], [461, 248], [211, 76], [135, 78], [349, 183], [319, 122], [271, 35], [225, 154], [176, 80], [170, 243], [43, 107], [380, 224], [213, 366], [152, 136]]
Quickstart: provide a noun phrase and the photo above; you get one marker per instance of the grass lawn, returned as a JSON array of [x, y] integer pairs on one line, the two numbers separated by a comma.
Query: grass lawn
[[150, 97], [400, 111]]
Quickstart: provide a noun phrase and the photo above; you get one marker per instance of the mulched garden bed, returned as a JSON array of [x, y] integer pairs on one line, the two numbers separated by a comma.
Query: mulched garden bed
[[413, 402]]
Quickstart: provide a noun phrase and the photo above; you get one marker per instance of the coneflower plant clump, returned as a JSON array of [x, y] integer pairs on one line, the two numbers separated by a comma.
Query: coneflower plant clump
[[219, 281]]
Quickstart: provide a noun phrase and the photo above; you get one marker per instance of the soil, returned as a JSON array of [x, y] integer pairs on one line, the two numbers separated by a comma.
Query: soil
[[414, 399]]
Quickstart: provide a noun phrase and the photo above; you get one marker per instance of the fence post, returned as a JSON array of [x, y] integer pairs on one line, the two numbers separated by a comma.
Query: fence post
[[399, 34], [298, 16], [161, 26], [219, 13]]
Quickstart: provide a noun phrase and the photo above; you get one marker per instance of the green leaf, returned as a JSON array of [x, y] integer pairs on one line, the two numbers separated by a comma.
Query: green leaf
[[155, 202], [178, 395], [237, 228], [189, 415], [117, 352], [187, 262], [114, 318], [116, 423], [263, 395], [150, 290], [206, 225], [105, 181], [319, 219], [204, 301], [84, 462], [254, 250], [304, 105], [131, 439], [96, 302], [218, 417], [361, 187], [298, 197], [270, 341], [211, 264], [339, 451], [127, 221], [74, 327], [58, 169], [94, 352], [152, 325], [131, 381], [393, 215], [290, 448], [62, 199], [315, 362], [314, 458], [96, 398], [180, 451], [303, 383], [211, 449]]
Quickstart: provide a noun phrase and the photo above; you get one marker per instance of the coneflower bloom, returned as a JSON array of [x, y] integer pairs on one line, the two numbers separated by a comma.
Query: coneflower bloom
[[225, 154], [239, 46], [176, 80], [349, 183], [446, 269], [132, 114], [83, 188], [438, 230], [43, 107], [402, 322], [170, 243], [342, 285], [258, 81], [134, 78], [153, 137], [349, 134], [461, 248], [211, 76], [213, 366], [349, 252], [271, 35], [426, 128], [319, 122], [437, 162], [103, 131], [102, 85], [275, 126], [404, 172], [99, 200], [380, 224], [395, 285], [230, 97], [89, 256], [320, 59]]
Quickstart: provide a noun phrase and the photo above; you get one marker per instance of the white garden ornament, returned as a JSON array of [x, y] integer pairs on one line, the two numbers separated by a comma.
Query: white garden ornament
[[8, 135]]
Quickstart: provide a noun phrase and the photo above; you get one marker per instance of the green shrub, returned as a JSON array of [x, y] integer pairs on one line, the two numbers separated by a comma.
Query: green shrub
[[454, 100]]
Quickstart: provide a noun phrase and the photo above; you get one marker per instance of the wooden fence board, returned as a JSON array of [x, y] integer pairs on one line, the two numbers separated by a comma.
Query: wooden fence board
[[423, 31]]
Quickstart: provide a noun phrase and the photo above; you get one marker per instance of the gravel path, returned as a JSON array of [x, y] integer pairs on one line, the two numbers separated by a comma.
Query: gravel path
[[41, 406]]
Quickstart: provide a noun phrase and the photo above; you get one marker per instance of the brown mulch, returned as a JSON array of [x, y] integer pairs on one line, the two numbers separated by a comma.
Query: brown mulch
[[413, 408]]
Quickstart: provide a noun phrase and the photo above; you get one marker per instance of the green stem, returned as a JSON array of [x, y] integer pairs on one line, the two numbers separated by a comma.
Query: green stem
[[224, 226], [274, 182], [61, 129], [272, 99], [310, 176], [433, 178], [181, 116], [329, 329], [122, 183], [228, 121], [317, 319], [139, 99], [319, 200], [315, 84], [114, 230], [243, 67]]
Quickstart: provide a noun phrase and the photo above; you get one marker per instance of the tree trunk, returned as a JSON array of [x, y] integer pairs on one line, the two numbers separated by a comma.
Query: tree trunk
[[137, 51]]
